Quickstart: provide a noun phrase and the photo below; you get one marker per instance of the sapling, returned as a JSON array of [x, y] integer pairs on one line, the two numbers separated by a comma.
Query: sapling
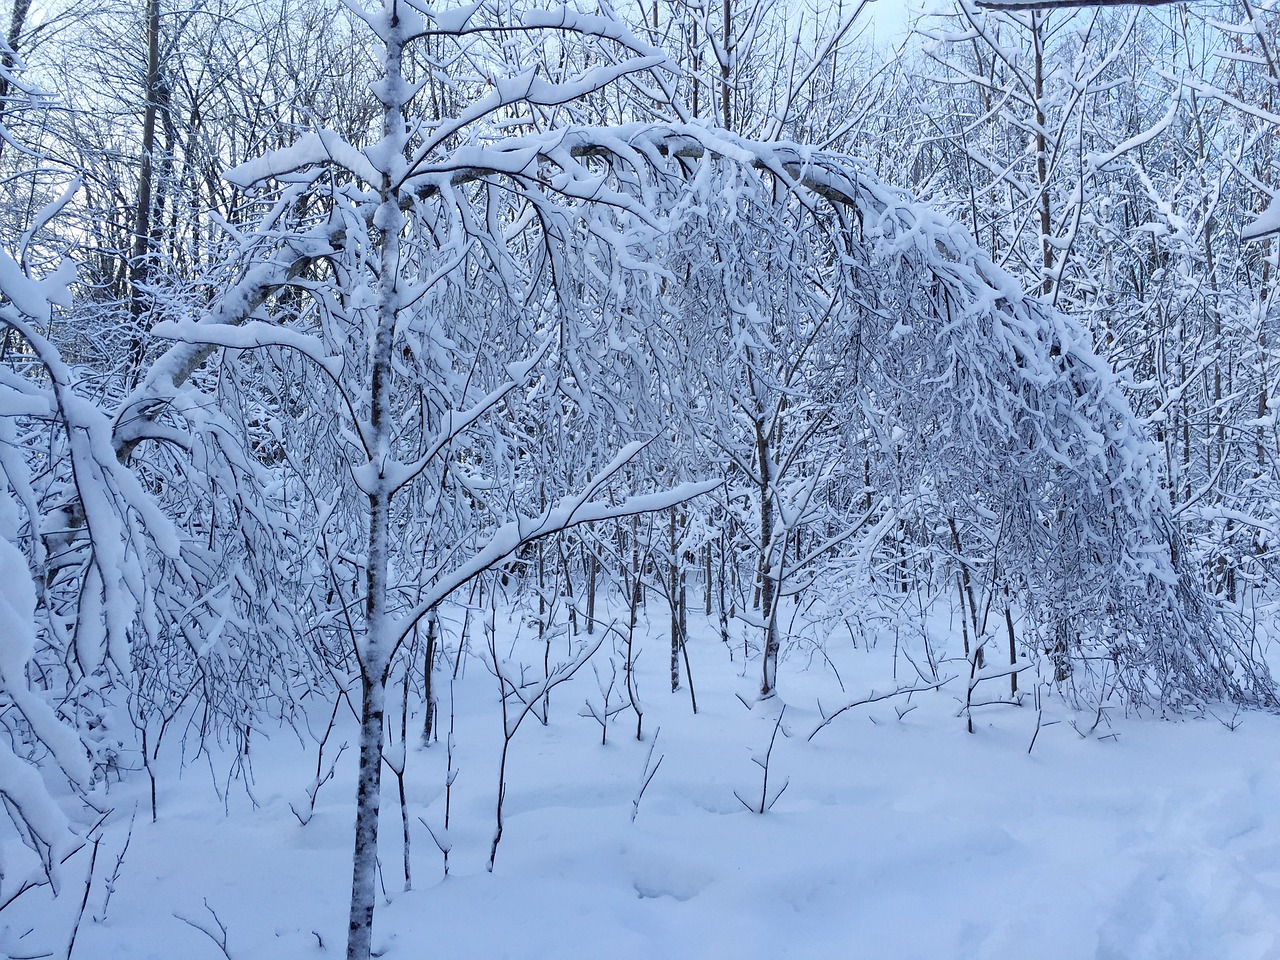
[[428, 674], [519, 698], [647, 775], [441, 838], [874, 697], [217, 933], [676, 600], [566, 577], [592, 564], [766, 802], [84, 899], [1233, 723], [395, 755], [111, 881], [313, 790], [633, 689], [607, 707], [323, 774]]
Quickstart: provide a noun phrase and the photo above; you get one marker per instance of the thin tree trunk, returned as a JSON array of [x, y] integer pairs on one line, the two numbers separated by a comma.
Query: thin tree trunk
[[673, 587], [428, 676], [592, 573], [765, 584], [684, 639], [1042, 161], [8, 61], [721, 590], [1013, 652], [570, 599], [376, 650], [143, 236], [404, 800], [368, 804], [706, 579], [694, 74], [726, 67]]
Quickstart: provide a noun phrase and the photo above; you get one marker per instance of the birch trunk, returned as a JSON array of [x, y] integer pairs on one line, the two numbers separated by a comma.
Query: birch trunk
[[376, 648], [368, 805]]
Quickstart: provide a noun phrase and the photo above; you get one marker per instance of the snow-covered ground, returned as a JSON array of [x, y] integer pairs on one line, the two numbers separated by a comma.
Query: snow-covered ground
[[896, 836]]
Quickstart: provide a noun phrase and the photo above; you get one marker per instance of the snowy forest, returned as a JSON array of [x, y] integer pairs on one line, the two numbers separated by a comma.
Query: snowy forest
[[676, 478]]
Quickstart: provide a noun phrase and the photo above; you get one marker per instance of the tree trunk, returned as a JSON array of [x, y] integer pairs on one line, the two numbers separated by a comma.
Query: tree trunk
[[766, 585], [726, 67], [1042, 163], [592, 574], [143, 228], [374, 652], [368, 804], [428, 677], [8, 60], [673, 588]]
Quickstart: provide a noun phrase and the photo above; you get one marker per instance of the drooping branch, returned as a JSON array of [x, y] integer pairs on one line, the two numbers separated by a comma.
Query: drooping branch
[[139, 410]]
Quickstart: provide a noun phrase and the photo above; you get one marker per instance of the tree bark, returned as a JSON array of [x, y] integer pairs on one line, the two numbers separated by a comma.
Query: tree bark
[[8, 59], [143, 233], [375, 652], [767, 587], [368, 806]]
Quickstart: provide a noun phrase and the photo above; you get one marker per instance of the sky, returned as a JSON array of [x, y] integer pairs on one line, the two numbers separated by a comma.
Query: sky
[[888, 18]]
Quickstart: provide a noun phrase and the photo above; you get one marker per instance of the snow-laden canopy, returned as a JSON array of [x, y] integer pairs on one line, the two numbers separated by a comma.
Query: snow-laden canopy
[[971, 408], [983, 422], [420, 356]]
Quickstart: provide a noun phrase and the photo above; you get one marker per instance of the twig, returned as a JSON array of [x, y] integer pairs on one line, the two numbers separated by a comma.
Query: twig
[[442, 845], [219, 938], [1039, 717], [607, 710], [84, 900], [33, 884], [874, 697], [115, 873], [647, 775], [314, 790], [765, 803], [1233, 724], [528, 697]]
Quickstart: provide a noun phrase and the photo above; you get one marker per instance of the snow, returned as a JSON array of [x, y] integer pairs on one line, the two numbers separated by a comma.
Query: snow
[[1265, 224], [311, 149], [455, 20], [251, 335], [896, 836], [895, 832], [25, 796], [17, 643], [29, 296]]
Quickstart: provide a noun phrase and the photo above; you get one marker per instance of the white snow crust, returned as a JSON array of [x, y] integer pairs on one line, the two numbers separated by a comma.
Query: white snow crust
[[898, 836]]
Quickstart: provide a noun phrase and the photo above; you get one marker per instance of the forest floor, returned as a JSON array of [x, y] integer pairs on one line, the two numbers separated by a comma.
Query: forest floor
[[896, 836]]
